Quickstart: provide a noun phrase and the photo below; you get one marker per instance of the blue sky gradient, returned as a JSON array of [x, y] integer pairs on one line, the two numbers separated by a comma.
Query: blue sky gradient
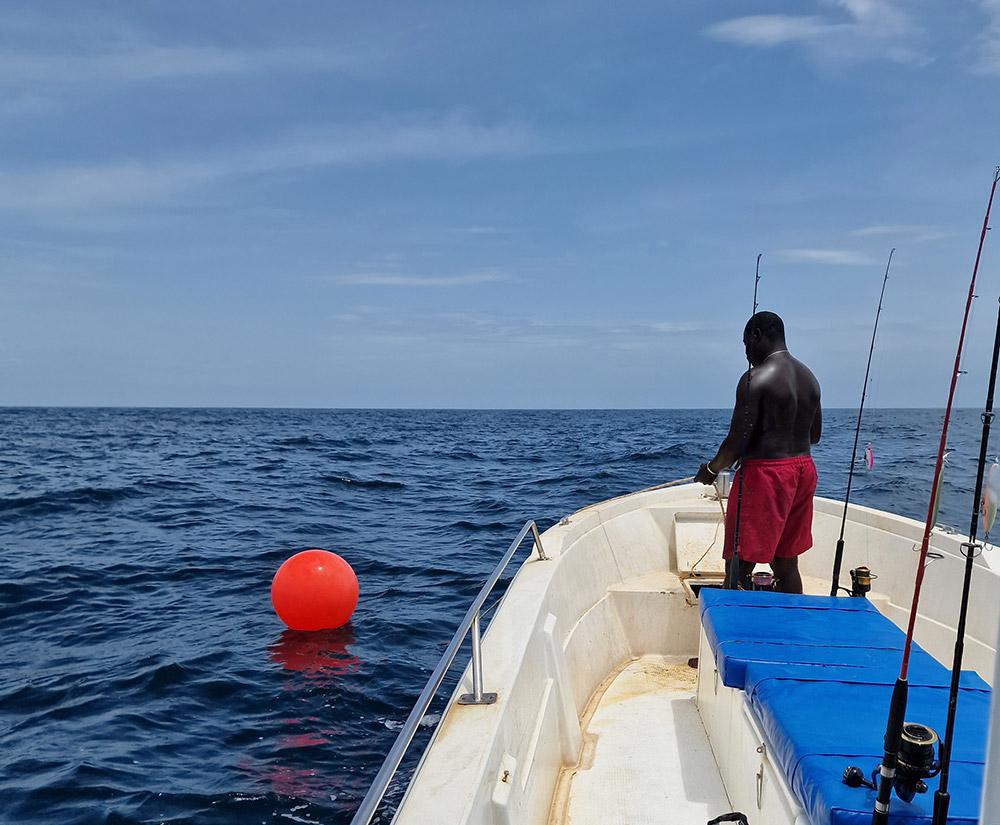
[[511, 205]]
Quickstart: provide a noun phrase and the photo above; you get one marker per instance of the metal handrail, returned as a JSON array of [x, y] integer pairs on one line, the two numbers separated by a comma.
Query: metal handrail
[[369, 805]]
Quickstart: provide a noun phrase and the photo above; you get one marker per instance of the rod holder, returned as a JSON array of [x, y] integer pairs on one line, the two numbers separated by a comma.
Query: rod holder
[[538, 542], [477, 697]]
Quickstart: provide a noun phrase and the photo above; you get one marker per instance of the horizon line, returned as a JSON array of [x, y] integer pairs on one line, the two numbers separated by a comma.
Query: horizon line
[[6, 407]]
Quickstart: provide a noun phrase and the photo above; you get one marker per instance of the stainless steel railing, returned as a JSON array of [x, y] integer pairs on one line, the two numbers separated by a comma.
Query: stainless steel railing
[[369, 805]]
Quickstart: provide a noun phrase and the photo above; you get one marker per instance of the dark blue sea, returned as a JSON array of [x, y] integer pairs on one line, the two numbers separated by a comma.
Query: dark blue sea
[[145, 678]]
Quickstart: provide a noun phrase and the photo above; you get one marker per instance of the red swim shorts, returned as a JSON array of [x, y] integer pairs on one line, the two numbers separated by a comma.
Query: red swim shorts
[[777, 510]]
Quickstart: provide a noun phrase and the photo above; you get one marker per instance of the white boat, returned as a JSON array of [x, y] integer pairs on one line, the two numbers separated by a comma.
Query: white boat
[[601, 714]]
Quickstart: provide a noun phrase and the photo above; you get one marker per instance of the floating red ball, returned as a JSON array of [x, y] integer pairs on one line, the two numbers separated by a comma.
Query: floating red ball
[[314, 590]]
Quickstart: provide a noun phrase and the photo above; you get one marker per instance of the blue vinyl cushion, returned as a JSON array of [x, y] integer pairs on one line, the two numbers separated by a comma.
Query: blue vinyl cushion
[[818, 673], [753, 626]]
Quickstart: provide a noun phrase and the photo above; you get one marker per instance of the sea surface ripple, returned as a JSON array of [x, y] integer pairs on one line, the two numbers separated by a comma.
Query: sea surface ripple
[[146, 678]]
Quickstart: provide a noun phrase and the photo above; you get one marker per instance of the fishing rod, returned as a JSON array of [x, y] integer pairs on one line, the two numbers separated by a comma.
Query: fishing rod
[[733, 574], [970, 550], [838, 557], [897, 705]]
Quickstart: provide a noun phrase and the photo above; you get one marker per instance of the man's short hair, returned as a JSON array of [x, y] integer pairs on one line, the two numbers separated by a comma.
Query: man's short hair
[[770, 325]]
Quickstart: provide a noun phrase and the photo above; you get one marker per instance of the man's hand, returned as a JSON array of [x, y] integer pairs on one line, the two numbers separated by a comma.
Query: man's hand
[[705, 476]]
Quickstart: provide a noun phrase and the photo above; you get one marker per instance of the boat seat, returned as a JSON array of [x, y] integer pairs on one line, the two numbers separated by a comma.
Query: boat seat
[[817, 673], [743, 627]]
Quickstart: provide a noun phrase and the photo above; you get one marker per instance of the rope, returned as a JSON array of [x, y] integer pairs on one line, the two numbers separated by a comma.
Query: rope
[[715, 538]]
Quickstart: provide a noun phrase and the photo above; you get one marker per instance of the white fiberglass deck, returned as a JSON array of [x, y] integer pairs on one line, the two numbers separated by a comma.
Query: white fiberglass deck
[[646, 759]]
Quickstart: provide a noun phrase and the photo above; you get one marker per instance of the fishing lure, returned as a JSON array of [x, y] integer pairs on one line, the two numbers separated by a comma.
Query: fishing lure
[[869, 457], [991, 499], [937, 488]]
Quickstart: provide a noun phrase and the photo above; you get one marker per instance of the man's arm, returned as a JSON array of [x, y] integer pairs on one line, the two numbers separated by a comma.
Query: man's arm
[[817, 426], [742, 424]]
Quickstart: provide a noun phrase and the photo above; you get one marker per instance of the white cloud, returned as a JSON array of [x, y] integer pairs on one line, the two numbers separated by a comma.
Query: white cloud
[[672, 327], [377, 279], [988, 60], [834, 257], [852, 31], [144, 62], [915, 232], [376, 325], [89, 48], [130, 182], [769, 29], [489, 230]]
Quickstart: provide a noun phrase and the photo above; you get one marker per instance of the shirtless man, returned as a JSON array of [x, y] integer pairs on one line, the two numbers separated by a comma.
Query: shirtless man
[[778, 420]]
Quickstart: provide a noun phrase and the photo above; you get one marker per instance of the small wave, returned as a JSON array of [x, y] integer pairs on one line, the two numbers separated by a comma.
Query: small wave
[[678, 450], [368, 483], [57, 500], [267, 467], [462, 455], [476, 527], [21, 698], [574, 477], [14, 593], [347, 455], [322, 441], [490, 505], [62, 498]]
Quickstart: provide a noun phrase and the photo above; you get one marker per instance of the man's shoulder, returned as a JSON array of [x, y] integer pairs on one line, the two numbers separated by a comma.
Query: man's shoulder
[[809, 373], [802, 367]]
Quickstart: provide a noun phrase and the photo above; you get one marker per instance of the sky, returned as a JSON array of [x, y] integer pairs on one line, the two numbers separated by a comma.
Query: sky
[[545, 204]]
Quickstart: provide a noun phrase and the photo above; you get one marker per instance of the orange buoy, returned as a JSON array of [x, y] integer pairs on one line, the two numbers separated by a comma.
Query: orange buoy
[[314, 590]]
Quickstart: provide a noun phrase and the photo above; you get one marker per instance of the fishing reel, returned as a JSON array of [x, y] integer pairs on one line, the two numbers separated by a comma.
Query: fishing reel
[[915, 763], [762, 581], [917, 760], [861, 582]]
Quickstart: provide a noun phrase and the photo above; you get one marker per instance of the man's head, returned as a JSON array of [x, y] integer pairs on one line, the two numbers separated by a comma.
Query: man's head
[[763, 334]]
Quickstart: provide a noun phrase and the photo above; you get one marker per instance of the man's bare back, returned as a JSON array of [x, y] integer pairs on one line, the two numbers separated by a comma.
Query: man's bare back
[[784, 395]]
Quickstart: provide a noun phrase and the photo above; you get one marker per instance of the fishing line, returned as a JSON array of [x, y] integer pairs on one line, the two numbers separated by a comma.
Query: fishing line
[[715, 536], [878, 455], [874, 403], [897, 707], [838, 557]]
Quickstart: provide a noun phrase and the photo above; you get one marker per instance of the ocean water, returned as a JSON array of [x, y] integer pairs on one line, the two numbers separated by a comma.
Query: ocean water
[[145, 678]]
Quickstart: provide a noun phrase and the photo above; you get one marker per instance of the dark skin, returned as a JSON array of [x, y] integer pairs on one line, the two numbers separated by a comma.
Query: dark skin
[[779, 417]]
